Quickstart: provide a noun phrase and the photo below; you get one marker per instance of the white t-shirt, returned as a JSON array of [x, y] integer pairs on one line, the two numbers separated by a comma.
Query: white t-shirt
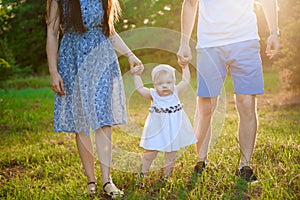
[[222, 22]]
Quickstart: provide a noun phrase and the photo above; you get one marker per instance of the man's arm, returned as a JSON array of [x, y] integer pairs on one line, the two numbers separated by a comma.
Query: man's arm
[[188, 16], [271, 14]]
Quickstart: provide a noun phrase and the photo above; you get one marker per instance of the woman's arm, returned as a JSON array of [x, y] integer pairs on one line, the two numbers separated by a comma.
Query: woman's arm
[[123, 49], [52, 47], [185, 82]]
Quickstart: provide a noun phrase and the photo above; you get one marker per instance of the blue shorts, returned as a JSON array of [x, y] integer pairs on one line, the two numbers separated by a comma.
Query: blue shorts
[[243, 61]]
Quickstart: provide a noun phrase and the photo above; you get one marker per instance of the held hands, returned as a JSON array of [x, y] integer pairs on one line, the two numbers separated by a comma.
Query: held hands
[[273, 45], [184, 55], [57, 84], [135, 63], [137, 70]]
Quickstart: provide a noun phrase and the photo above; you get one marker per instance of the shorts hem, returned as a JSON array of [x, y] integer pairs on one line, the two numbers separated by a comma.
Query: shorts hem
[[250, 93]]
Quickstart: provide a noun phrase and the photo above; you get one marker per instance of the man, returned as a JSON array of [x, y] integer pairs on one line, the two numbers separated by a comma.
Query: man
[[227, 40]]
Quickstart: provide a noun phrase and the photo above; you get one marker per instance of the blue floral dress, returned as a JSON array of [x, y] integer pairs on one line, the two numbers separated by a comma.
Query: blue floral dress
[[90, 71]]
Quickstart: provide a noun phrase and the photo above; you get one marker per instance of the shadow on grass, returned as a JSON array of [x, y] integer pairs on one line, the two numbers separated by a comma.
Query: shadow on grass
[[241, 190], [193, 180], [99, 195]]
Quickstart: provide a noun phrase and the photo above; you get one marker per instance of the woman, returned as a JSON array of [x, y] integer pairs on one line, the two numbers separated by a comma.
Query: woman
[[86, 78]]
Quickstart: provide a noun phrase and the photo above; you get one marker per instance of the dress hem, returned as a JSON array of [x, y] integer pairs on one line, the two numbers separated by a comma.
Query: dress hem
[[75, 132]]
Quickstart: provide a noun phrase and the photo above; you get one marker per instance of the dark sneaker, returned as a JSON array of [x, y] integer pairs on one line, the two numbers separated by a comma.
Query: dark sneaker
[[247, 174], [199, 167]]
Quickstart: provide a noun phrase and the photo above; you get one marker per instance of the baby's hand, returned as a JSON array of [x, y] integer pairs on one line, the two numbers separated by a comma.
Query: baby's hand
[[137, 70]]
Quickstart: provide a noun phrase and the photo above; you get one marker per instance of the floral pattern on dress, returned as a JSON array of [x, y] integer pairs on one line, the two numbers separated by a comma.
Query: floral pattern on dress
[[93, 83]]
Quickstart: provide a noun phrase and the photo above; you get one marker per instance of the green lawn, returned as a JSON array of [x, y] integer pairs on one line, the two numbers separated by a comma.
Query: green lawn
[[36, 163]]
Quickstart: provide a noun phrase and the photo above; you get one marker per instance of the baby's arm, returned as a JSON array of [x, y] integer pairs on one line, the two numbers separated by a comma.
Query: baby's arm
[[185, 82], [139, 85]]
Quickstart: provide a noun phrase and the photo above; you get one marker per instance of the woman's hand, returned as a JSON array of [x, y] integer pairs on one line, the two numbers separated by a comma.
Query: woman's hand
[[57, 84], [136, 66]]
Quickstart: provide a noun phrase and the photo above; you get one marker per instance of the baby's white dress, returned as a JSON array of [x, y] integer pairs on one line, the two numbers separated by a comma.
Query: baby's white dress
[[167, 127]]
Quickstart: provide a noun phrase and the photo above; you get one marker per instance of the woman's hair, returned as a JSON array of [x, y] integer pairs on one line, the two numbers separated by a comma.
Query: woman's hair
[[112, 12], [71, 16]]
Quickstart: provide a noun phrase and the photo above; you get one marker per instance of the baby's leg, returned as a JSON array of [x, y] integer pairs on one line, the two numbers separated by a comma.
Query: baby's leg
[[147, 160], [170, 158]]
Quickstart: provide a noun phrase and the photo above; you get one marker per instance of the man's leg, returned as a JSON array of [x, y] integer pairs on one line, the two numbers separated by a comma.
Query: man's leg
[[202, 125], [211, 73], [246, 106]]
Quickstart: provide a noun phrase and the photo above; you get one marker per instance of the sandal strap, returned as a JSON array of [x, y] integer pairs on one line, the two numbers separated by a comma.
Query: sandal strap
[[106, 184], [112, 190], [92, 189]]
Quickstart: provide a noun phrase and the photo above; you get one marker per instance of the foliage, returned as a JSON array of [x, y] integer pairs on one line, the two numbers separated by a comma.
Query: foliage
[[5, 69], [151, 13], [23, 24], [156, 13], [7, 61], [289, 60], [9, 68]]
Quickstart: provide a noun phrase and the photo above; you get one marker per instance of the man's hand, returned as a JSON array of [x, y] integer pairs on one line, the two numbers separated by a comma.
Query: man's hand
[[273, 45], [184, 55]]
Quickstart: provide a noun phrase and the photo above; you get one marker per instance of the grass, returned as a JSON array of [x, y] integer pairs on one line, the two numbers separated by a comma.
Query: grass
[[36, 163]]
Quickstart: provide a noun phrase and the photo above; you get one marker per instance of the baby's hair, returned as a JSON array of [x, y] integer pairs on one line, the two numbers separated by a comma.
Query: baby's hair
[[161, 70]]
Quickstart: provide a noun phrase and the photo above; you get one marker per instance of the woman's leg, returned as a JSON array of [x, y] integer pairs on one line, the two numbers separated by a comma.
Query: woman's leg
[[85, 149], [147, 160], [104, 149], [170, 159]]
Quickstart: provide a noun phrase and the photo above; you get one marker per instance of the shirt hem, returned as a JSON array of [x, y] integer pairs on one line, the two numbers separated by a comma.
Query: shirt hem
[[216, 44]]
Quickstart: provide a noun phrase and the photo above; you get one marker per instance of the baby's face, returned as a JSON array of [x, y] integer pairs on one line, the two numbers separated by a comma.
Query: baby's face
[[164, 84]]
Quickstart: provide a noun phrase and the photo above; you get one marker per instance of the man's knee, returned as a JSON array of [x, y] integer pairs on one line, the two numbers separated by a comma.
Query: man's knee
[[246, 105]]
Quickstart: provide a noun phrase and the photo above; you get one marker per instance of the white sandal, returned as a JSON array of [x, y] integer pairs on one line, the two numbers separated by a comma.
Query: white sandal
[[111, 190], [92, 187]]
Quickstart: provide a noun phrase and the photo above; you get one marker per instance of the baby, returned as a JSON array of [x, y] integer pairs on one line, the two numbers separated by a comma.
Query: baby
[[167, 127]]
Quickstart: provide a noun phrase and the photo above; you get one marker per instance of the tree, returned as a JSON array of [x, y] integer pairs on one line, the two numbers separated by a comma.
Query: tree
[[289, 61], [157, 13], [23, 27]]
